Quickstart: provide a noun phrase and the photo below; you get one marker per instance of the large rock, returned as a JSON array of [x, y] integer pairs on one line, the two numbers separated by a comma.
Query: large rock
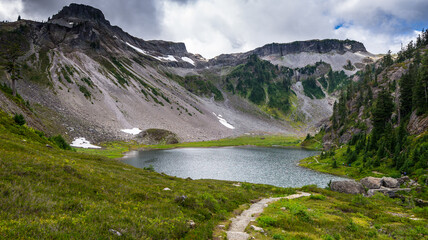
[[351, 187], [371, 182], [390, 182], [157, 136], [390, 192], [403, 179]]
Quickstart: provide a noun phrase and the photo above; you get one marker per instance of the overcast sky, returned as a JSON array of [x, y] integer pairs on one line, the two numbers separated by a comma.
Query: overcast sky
[[212, 27]]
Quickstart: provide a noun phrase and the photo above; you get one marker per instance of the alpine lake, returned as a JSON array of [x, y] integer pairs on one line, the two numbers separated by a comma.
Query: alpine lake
[[265, 165]]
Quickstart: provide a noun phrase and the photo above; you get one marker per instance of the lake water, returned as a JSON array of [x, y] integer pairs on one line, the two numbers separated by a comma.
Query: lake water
[[275, 166]]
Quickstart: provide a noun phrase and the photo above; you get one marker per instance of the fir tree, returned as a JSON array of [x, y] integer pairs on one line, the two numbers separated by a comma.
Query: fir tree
[[420, 89], [381, 113]]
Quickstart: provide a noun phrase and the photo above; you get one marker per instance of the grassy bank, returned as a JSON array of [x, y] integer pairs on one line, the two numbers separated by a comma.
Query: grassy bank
[[117, 149], [49, 193], [331, 215]]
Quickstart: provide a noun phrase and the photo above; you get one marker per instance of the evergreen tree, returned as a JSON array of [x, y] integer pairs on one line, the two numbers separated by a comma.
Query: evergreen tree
[[420, 89], [381, 113], [342, 110], [334, 117], [19, 17], [12, 66], [406, 94]]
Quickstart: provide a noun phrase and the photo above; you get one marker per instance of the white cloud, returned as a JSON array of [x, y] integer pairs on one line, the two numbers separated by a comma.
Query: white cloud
[[10, 9], [222, 26]]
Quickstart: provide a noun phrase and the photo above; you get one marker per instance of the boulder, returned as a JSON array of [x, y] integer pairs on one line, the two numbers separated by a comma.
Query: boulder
[[390, 192], [371, 182], [351, 187], [390, 182], [403, 179], [157, 136]]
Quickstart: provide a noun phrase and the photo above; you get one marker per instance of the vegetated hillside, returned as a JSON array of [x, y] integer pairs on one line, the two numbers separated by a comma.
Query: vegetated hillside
[[383, 117], [300, 96], [47, 192]]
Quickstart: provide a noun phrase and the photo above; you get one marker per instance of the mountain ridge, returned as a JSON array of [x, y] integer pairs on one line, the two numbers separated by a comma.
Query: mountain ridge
[[98, 79]]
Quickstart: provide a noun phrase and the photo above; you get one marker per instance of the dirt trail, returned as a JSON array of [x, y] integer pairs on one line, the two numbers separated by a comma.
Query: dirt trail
[[239, 223]]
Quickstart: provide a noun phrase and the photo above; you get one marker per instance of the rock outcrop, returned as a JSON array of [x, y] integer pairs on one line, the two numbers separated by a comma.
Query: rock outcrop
[[386, 185]]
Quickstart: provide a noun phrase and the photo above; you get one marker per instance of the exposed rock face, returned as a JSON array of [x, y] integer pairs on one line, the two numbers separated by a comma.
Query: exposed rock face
[[81, 12], [390, 182], [312, 46], [371, 182], [351, 187], [417, 124], [282, 49]]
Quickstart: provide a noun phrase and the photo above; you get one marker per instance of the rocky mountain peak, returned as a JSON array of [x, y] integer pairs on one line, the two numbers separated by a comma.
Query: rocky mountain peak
[[80, 12], [313, 46]]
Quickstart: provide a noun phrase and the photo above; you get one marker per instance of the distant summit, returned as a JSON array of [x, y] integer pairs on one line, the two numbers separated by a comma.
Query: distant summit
[[80, 12], [313, 46]]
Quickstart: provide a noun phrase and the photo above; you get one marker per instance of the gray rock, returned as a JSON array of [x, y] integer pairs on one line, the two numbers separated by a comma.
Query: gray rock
[[351, 187], [221, 226], [390, 182], [371, 182], [403, 179], [257, 229], [191, 224], [115, 232], [390, 192]]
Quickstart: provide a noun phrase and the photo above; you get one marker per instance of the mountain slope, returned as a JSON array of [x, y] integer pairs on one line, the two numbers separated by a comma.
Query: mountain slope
[[83, 77]]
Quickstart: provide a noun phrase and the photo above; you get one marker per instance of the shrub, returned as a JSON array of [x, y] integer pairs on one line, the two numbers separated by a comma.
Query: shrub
[[19, 119], [317, 197], [149, 168], [60, 142]]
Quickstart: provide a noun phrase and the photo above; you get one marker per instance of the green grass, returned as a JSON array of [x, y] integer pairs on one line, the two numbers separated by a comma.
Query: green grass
[[331, 215], [342, 169], [49, 193], [118, 149], [262, 141]]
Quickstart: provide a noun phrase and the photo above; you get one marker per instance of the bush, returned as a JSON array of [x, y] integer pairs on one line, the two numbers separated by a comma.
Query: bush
[[19, 119], [60, 142], [317, 197]]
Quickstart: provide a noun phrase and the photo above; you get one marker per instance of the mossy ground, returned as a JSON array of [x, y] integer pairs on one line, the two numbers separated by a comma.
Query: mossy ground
[[331, 215]]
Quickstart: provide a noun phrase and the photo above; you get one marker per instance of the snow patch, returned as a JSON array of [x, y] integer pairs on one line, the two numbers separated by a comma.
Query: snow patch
[[137, 49], [168, 58], [133, 131], [186, 59], [223, 121], [82, 143]]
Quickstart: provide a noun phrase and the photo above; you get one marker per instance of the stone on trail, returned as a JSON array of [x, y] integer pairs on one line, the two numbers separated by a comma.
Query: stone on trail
[[257, 229]]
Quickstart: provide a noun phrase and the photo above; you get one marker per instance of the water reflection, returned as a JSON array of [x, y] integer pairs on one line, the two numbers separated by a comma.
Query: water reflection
[[275, 166]]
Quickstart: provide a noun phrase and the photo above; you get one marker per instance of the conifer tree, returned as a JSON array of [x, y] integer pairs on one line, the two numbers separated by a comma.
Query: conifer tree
[[381, 113]]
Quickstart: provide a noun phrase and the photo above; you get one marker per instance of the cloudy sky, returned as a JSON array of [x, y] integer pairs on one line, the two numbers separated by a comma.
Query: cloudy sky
[[212, 27]]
